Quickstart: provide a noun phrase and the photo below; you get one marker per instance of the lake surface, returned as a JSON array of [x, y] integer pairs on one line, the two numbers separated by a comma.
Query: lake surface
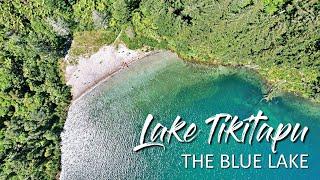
[[104, 126]]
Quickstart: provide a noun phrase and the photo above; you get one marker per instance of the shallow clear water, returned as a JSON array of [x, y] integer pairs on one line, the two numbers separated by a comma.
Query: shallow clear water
[[103, 127]]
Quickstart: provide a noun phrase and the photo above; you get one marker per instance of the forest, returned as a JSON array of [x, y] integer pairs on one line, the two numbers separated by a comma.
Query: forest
[[278, 38]]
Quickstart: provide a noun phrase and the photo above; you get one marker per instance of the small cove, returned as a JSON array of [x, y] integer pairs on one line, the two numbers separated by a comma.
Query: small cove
[[103, 127]]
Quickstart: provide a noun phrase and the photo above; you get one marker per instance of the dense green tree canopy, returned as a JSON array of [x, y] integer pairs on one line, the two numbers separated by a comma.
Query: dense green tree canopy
[[279, 37]]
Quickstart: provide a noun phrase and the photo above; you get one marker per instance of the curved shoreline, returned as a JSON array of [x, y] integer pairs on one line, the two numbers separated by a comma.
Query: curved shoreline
[[103, 127], [269, 88], [109, 75], [84, 73]]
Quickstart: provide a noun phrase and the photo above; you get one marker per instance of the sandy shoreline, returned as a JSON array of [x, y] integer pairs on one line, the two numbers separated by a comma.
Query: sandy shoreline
[[91, 71], [89, 144]]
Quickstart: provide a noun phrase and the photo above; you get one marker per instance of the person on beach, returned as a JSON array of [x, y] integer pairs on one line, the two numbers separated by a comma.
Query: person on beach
[[124, 64]]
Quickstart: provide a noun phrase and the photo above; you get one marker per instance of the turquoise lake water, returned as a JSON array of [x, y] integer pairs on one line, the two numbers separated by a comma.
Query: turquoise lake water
[[104, 126]]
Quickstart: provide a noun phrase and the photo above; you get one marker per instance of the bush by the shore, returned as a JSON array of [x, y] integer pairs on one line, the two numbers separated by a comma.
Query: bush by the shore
[[281, 37]]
